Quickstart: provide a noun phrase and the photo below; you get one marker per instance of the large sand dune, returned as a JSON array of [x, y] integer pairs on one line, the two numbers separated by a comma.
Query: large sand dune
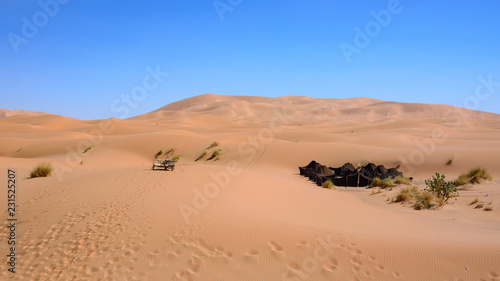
[[105, 215]]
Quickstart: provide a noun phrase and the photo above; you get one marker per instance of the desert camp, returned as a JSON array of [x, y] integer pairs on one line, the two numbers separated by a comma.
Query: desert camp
[[347, 174]]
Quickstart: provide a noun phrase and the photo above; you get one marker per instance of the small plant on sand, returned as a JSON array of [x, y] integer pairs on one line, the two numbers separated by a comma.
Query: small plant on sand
[[19, 149], [363, 163], [376, 191], [474, 201], [488, 208], [377, 182], [450, 162], [176, 158], [215, 154], [403, 180], [158, 154], [212, 145], [87, 149], [473, 176], [170, 151], [201, 155], [427, 200], [328, 184], [441, 188], [406, 194], [41, 170]]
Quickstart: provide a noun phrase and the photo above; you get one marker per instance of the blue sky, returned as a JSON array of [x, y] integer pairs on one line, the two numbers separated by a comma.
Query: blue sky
[[80, 58]]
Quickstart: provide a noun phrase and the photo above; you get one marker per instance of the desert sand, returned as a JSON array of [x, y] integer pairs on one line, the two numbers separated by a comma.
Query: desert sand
[[105, 215]]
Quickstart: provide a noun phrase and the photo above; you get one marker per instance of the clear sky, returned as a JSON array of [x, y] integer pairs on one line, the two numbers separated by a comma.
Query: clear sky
[[93, 59]]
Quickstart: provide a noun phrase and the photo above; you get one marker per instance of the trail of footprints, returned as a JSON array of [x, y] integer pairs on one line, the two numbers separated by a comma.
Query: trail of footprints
[[83, 235]]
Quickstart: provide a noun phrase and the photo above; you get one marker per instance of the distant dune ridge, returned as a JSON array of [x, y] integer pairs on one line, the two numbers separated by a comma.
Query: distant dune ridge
[[248, 214], [12, 112]]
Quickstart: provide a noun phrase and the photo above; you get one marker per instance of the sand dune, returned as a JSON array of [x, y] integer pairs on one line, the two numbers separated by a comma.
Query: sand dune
[[105, 215]]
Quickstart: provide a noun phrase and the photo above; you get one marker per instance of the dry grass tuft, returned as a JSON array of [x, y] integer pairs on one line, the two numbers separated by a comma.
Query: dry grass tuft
[[215, 154], [329, 184], [201, 155], [406, 194], [382, 183], [377, 191], [479, 206], [212, 145], [158, 154], [87, 149], [473, 176], [403, 180], [488, 208], [41, 170], [474, 201]]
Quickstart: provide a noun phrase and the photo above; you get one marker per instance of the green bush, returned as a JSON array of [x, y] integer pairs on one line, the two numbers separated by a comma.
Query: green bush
[[41, 170], [441, 188], [473, 176]]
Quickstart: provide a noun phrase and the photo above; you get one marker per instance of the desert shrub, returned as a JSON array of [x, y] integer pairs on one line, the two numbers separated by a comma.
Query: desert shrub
[[170, 151], [41, 170], [328, 184], [201, 155], [426, 200], [87, 149], [158, 154], [473, 176], [212, 145], [488, 208], [406, 194], [402, 180], [215, 154], [176, 158], [441, 188], [377, 182]]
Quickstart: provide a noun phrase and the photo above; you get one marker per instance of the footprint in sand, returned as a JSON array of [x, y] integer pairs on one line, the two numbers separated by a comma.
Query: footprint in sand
[[395, 274], [380, 267], [331, 264], [493, 275], [303, 245], [252, 257], [356, 261], [277, 250]]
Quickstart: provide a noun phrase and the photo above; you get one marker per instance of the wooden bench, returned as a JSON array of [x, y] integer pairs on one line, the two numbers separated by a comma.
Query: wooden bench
[[163, 164]]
